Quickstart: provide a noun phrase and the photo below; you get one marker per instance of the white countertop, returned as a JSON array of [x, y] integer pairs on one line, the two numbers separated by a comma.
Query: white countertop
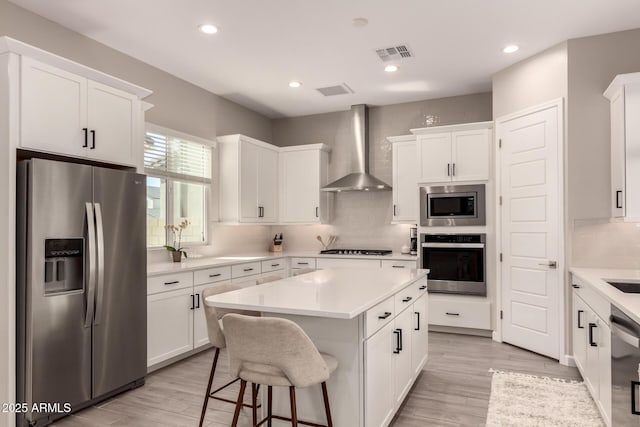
[[341, 293], [158, 268], [597, 277]]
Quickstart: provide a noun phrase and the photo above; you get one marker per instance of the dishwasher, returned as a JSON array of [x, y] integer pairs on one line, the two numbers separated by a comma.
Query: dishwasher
[[625, 364]]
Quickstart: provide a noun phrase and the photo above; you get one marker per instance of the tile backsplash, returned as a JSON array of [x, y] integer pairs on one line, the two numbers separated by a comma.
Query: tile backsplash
[[604, 244]]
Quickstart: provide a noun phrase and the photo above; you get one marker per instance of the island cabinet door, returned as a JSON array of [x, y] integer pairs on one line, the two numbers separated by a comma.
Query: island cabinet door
[[379, 360], [403, 369], [420, 334]]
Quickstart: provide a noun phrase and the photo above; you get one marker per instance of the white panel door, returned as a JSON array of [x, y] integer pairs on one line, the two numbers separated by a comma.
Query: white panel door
[[379, 376], [200, 334], [434, 157], [405, 182], [169, 325], [268, 185], [249, 160], [420, 334], [111, 115], [300, 186], [53, 109], [470, 155], [530, 237]]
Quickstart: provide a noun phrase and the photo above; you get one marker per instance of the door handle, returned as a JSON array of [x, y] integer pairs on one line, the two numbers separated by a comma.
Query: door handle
[[407, 299], [453, 169], [394, 210], [91, 237], [579, 313], [317, 213], [93, 139], [551, 264], [634, 387], [591, 342], [385, 315], [197, 300], [448, 169], [618, 204], [215, 275], [397, 334], [86, 137], [417, 328], [100, 250]]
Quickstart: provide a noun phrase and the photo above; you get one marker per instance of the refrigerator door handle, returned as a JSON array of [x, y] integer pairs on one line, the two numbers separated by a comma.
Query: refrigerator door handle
[[100, 276], [90, 292]]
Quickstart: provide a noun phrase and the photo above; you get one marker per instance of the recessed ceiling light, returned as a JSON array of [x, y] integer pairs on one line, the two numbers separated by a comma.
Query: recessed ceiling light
[[391, 68], [511, 48], [360, 22], [295, 84], [208, 28]]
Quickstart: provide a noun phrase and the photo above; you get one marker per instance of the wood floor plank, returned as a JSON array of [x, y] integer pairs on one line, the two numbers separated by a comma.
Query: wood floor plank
[[453, 389]]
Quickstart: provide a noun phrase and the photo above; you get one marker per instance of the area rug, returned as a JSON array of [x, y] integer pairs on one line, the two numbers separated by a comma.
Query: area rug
[[528, 400]]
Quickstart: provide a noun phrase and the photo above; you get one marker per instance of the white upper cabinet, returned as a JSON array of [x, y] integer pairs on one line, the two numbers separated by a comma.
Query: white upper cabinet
[[624, 95], [248, 180], [405, 179], [454, 153], [303, 172], [70, 114]]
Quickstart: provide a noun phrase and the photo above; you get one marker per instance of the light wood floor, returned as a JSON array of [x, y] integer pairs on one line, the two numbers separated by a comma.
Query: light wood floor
[[453, 390]]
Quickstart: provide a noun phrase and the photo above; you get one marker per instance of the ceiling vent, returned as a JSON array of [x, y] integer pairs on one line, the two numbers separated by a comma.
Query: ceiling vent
[[335, 90], [394, 53]]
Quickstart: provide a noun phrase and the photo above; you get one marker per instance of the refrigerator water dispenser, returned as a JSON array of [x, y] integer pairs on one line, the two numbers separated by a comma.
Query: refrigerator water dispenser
[[63, 265]]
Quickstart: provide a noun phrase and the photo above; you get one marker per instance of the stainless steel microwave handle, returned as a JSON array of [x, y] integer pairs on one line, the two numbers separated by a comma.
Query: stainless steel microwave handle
[[624, 334], [453, 245]]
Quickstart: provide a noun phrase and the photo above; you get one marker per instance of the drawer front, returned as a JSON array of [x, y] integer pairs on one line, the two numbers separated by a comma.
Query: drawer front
[[459, 313], [379, 316], [273, 265], [420, 286], [597, 303], [347, 263], [169, 282], [406, 297], [212, 275], [298, 262], [389, 263], [246, 269]]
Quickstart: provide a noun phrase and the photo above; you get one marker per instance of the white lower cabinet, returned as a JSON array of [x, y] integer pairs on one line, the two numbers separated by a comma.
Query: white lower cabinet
[[592, 344], [394, 355], [169, 325]]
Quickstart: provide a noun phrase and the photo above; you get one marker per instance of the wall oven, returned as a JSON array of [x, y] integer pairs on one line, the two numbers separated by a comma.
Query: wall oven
[[456, 263], [452, 205]]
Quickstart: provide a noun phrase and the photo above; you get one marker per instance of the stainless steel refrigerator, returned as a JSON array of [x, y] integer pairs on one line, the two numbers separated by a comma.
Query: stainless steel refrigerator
[[81, 286]]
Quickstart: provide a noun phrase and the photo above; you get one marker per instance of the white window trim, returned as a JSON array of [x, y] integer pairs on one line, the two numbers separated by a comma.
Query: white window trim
[[170, 178]]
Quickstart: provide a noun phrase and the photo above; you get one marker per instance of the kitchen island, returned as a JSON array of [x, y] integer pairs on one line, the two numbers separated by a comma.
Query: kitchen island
[[373, 321]]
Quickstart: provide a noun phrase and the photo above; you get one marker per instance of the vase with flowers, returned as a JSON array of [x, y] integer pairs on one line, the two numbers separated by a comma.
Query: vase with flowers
[[177, 250]]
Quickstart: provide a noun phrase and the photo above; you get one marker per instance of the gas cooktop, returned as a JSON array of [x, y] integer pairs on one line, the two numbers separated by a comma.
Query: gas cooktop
[[356, 252]]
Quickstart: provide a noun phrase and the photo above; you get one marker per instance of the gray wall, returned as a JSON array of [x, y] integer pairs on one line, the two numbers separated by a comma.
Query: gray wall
[[178, 105], [363, 219]]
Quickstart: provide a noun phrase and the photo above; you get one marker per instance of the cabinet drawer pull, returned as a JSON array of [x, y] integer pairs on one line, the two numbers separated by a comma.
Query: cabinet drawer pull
[[591, 342], [423, 287], [303, 263], [407, 299], [385, 315], [579, 313], [248, 269], [175, 282], [275, 265], [397, 266], [575, 286], [215, 275], [452, 314]]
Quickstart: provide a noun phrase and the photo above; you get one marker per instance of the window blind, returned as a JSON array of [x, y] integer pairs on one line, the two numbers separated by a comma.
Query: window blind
[[176, 158]]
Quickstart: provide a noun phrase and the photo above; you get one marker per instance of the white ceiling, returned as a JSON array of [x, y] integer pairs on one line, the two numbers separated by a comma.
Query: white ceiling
[[263, 44]]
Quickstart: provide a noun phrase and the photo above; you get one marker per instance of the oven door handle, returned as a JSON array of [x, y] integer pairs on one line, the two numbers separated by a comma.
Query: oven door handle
[[453, 245]]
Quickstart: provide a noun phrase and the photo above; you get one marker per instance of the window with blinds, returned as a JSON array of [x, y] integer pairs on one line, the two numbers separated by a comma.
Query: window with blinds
[[179, 170]]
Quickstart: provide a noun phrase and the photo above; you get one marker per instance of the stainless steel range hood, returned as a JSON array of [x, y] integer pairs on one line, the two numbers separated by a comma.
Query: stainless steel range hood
[[359, 179]]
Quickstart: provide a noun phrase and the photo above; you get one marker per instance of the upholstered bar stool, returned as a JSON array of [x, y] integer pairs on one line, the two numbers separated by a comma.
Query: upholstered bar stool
[[267, 279], [275, 352], [300, 271], [217, 339]]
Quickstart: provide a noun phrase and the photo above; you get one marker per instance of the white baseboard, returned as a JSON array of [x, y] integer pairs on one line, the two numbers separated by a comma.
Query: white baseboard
[[567, 360]]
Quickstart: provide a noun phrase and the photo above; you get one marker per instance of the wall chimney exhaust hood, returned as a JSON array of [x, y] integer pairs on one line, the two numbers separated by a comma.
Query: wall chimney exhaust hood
[[359, 179]]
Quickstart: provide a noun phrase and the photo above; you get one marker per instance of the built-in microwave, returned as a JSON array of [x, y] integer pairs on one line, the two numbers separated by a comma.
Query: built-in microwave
[[452, 205]]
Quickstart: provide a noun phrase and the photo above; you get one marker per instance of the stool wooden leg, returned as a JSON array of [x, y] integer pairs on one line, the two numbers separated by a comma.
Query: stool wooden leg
[[206, 396], [327, 409], [294, 412], [269, 404], [254, 395], [236, 414]]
